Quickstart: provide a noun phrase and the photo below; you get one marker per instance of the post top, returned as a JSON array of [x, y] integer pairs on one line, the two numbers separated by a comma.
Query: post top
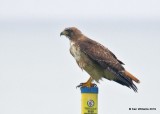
[[89, 90]]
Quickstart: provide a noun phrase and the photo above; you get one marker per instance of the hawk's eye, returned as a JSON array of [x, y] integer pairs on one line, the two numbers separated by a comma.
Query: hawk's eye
[[69, 30]]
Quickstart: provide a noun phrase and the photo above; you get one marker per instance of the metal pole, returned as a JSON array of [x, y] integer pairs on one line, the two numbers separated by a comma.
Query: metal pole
[[89, 100]]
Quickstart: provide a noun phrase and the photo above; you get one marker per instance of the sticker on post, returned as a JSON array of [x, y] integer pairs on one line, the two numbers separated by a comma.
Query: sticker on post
[[90, 103]]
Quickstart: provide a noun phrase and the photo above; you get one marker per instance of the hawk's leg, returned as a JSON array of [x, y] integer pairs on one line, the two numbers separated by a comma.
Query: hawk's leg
[[87, 84]]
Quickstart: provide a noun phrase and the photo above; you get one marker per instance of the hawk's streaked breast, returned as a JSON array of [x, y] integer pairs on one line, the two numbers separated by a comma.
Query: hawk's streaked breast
[[78, 55], [75, 51]]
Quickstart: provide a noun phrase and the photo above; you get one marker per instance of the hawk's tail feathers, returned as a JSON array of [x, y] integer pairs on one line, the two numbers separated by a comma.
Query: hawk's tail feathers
[[124, 80], [131, 76]]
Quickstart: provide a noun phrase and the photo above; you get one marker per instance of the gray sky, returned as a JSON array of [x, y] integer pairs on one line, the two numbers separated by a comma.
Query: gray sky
[[39, 76], [132, 9]]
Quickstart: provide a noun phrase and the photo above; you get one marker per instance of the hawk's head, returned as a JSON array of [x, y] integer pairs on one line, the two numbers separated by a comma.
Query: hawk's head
[[71, 33]]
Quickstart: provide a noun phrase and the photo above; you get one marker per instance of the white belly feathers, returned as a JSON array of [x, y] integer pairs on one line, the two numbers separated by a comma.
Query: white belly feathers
[[75, 51], [78, 55]]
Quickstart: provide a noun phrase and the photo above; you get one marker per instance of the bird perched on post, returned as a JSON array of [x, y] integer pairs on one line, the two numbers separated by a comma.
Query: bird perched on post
[[98, 61]]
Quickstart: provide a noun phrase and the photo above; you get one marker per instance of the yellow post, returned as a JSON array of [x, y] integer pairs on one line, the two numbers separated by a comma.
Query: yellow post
[[89, 100]]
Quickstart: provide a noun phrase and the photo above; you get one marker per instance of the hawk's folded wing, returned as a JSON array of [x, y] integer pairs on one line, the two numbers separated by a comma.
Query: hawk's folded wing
[[106, 59]]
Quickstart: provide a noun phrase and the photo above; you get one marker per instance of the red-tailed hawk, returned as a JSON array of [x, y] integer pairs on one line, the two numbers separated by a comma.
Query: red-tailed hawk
[[97, 60]]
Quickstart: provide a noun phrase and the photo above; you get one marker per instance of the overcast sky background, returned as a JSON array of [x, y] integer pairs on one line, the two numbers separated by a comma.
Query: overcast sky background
[[39, 76]]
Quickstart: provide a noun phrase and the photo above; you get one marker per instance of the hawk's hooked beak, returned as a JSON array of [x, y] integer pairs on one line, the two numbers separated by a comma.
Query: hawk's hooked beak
[[65, 33]]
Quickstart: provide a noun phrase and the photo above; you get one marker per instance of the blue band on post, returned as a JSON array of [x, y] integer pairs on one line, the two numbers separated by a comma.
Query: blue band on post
[[89, 90]]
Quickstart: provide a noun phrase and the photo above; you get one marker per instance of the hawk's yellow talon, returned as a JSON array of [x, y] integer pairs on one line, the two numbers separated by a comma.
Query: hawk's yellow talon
[[87, 84]]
